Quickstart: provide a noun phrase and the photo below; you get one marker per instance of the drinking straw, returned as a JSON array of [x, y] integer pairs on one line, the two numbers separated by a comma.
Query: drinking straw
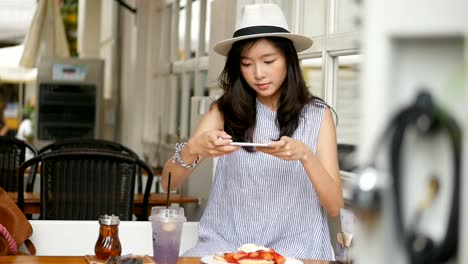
[[168, 190]]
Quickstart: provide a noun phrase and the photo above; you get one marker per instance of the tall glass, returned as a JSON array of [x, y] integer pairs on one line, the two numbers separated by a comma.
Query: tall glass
[[167, 232]]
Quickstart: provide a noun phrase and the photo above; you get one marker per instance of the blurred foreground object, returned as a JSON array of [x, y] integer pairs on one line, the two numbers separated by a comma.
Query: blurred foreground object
[[402, 56]]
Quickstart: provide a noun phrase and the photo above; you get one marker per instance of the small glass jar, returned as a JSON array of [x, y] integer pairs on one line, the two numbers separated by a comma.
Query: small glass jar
[[108, 243]]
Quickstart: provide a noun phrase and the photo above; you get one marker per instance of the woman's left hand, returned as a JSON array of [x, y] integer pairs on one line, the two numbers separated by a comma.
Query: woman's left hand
[[286, 148]]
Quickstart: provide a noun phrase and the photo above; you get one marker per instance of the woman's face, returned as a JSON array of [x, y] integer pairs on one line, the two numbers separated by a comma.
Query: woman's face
[[263, 66]]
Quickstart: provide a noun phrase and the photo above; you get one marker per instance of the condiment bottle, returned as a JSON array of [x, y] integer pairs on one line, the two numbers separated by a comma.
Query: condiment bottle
[[108, 243]]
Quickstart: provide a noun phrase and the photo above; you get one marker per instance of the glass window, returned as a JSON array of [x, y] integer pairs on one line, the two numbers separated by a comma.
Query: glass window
[[165, 19], [69, 11], [312, 15], [347, 19], [312, 71], [194, 28], [182, 17], [176, 109], [191, 83], [208, 27], [204, 79], [347, 99]]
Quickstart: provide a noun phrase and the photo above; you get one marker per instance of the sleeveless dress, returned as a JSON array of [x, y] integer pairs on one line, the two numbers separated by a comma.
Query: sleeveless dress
[[258, 198]]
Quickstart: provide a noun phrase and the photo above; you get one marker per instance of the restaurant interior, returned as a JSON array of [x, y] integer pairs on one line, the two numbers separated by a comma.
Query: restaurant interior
[[88, 87]]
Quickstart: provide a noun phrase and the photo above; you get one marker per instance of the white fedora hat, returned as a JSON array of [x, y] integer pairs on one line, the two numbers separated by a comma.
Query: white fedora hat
[[262, 20]]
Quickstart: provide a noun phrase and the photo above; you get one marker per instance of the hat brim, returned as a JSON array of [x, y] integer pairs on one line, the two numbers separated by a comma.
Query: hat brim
[[300, 42]]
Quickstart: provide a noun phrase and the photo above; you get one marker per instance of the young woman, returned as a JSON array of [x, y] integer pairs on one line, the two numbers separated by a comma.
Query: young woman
[[275, 196]]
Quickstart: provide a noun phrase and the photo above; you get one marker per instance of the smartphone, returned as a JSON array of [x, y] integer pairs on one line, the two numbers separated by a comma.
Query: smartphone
[[250, 144]]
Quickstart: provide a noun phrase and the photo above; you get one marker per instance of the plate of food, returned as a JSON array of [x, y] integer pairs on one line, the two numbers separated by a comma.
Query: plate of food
[[250, 254]]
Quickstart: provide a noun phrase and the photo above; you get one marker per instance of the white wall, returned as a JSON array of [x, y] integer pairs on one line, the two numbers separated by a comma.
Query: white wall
[[77, 238]]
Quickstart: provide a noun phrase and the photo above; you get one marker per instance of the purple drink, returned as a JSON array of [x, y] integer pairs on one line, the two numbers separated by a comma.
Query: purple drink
[[167, 230]]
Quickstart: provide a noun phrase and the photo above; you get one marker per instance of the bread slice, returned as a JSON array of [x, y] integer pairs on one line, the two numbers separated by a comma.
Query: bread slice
[[255, 261]]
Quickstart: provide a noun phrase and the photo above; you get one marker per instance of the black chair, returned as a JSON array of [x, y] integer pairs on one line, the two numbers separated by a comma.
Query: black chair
[[12, 155], [90, 143], [82, 184]]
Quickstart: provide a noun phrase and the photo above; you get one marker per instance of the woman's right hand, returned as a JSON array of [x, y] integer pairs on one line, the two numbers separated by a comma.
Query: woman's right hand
[[211, 144]]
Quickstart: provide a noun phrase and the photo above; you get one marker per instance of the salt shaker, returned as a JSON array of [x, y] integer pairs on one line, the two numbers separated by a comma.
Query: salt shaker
[[108, 243]]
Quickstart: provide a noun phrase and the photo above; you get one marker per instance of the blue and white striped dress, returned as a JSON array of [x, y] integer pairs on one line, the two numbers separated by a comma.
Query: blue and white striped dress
[[258, 198]]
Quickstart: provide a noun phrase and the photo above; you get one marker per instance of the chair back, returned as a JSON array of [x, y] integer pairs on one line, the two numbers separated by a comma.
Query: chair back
[[12, 155], [91, 143], [82, 184]]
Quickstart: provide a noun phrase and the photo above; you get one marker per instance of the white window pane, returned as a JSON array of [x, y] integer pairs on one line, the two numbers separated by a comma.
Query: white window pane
[[207, 27], [347, 15], [195, 28], [348, 99], [313, 15], [312, 71], [204, 80], [182, 16]]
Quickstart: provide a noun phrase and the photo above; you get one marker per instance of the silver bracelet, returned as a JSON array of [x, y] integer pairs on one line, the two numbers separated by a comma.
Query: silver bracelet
[[178, 159]]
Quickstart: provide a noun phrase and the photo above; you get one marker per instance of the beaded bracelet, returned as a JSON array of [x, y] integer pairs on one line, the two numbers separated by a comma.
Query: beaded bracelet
[[178, 149]]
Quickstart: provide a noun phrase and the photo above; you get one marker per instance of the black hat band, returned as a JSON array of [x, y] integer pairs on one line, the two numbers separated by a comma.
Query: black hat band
[[258, 30]]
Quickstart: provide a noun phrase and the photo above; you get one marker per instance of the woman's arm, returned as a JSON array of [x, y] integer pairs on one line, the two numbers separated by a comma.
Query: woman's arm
[[209, 140], [323, 169]]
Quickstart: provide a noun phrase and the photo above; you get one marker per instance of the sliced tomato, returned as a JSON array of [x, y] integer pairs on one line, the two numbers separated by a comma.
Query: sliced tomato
[[239, 255], [266, 255], [269, 254], [254, 255], [229, 257], [278, 258]]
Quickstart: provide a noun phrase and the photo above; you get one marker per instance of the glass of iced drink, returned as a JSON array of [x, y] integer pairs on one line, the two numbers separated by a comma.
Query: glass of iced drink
[[167, 231]]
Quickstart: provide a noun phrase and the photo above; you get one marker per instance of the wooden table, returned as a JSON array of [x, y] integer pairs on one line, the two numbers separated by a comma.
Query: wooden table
[[82, 260], [32, 201]]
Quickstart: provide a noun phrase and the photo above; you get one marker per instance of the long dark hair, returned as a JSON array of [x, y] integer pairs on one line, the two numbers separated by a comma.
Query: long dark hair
[[238, 102]]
